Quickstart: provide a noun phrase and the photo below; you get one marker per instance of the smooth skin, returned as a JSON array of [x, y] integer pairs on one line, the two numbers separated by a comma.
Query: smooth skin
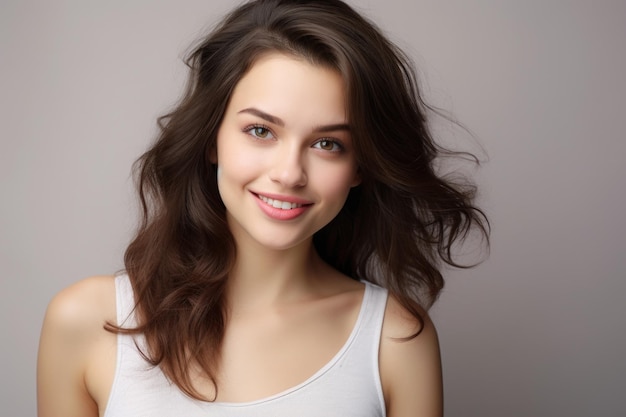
[[284, 134]]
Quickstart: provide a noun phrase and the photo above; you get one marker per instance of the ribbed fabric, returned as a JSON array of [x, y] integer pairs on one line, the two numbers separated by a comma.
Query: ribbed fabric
[[348, 385]]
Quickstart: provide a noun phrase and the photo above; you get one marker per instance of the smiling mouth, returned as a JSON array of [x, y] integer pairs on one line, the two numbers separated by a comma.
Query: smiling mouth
[[283, 205]]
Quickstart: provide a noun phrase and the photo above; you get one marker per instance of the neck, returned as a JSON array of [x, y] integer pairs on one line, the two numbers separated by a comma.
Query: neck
[[262, 277]]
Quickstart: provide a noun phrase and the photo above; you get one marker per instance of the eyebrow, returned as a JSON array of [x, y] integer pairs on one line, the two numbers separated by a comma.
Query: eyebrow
[[278, 121]]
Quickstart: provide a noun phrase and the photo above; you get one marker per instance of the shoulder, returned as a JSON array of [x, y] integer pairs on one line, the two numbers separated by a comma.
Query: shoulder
[[410, 368], [71, 337], [77, 307]]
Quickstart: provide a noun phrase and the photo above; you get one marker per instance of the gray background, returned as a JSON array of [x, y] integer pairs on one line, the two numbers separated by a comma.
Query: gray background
[[537, 330]]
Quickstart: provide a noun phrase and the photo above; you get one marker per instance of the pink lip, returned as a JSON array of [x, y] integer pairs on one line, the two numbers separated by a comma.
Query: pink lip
[[280, 214]]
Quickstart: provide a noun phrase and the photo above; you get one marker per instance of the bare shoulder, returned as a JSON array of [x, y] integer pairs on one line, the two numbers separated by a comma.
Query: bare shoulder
[[410, 368], [78, 306], [71, 334]]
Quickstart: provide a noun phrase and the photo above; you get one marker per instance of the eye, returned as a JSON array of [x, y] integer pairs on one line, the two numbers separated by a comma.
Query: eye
[[259, 132], [328, 145]]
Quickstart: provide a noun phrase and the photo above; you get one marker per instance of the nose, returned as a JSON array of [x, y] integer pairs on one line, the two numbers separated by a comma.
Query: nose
[[288, 168]]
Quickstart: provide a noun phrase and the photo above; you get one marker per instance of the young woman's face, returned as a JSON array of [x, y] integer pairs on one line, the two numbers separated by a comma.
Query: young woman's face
[[284, 152]]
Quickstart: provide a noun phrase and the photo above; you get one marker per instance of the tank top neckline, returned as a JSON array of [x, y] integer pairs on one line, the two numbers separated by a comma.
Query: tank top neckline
[[367, 294]]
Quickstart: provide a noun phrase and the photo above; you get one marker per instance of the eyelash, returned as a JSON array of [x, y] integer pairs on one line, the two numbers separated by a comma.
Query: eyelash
[[339, 145], [250, 131]]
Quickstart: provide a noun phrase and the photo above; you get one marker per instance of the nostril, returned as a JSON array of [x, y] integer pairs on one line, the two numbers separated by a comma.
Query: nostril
[[289, 172]]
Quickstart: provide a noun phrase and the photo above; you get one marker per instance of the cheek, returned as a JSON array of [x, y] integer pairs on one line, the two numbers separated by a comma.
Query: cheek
[[337, 182], [236, 160]]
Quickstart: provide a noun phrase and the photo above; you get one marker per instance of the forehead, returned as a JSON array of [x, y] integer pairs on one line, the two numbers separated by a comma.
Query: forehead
[[292, 89]]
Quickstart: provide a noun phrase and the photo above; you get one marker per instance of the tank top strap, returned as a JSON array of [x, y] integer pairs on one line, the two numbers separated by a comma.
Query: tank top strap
[[364, 353], [378, 300], [125, 301], [374, 304]]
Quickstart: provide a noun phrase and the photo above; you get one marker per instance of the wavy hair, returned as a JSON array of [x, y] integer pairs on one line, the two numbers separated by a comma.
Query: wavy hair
[[397, 228]]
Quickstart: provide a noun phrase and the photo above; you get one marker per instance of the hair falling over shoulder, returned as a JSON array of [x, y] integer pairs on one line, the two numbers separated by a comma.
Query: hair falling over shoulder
[[397, 228]]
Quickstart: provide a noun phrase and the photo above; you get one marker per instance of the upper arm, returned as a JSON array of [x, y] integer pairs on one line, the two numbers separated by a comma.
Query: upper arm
[[410, 369], [71, 329]]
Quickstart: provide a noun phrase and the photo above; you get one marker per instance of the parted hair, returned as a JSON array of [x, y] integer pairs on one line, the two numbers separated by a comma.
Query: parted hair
[[396, 229]]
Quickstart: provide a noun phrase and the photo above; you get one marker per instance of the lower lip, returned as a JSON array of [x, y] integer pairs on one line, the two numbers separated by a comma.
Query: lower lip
[[280, 214]]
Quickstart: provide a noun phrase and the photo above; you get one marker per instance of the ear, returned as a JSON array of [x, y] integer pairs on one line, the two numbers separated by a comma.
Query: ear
[[213, 154], [357, 178]]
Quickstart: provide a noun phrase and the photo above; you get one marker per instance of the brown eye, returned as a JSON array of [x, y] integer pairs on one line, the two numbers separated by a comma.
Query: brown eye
[[328, 145], [261, 132]]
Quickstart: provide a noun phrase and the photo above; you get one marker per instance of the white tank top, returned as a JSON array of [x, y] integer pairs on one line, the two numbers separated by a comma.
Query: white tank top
[[348, 385]]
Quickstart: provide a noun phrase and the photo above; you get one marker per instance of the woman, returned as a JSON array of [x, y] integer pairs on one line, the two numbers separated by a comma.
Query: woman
[[296, 172]]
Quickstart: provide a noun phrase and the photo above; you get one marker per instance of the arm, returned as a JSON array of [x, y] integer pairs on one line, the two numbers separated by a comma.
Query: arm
[[71, 334], [410, 370]]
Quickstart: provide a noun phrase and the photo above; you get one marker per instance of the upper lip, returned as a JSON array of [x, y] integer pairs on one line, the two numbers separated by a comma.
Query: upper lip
[[281, 197]]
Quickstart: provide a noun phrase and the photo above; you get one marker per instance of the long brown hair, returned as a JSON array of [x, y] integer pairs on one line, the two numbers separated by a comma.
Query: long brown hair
[[396, 228]]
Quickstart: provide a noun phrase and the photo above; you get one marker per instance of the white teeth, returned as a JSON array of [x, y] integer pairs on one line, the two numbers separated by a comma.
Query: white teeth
[[283, 205]]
